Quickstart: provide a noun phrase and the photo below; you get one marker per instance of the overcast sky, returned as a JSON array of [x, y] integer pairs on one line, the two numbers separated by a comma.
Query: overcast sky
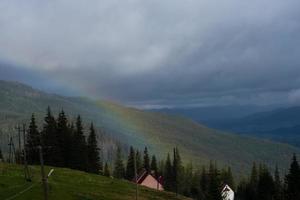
[[155, 53]]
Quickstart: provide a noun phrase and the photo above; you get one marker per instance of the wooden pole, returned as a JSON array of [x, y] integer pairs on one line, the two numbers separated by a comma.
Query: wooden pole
[[135, 177], [19, 147], [26, 171], [9, 155], [44, 178], [12, 151]]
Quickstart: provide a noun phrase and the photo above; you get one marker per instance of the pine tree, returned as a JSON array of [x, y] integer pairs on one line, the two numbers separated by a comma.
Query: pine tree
[[154, 166], [278, 185], [1, 156], [177, 170], [251, 187], [292, 181], [168, 175], [214, 192], [106, 170], [64, 139], [196, 190], [50, 140], [119, 170], [161, 167], [93, 157], [139, 164], [227, 177], [242, 190], [146, 162], [188, 180], [130, 171], [265, 187], [79, 149], [254, 175], [204, 181], [33, 141]]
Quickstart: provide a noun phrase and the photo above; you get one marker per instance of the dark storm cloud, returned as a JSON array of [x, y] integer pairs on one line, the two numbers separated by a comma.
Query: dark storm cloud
[[157, 53]]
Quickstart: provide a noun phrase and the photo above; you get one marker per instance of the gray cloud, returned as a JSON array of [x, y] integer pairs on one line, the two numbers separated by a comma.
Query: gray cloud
[[157, 53]]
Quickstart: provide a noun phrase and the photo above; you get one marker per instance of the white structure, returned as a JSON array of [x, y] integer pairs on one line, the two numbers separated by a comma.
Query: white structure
[[227, 193]]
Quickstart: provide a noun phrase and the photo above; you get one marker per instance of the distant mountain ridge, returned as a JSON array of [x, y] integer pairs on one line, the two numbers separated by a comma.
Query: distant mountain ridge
[[211, 113], [160, 132], [281, 125]]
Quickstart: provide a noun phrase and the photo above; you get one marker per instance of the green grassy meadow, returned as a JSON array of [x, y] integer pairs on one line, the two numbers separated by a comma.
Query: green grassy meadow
[[66, 184]]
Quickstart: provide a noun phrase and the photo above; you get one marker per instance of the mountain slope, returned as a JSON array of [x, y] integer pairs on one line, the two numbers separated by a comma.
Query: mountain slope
[[160, 132], [71, 185], [280, 125], [209, 113]]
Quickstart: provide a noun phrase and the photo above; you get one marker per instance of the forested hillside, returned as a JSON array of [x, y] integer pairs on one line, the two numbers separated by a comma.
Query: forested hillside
[[159, 132]]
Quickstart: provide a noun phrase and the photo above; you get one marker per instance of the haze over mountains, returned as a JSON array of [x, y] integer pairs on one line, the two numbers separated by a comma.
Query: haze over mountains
[[160, 132], [270, 122]]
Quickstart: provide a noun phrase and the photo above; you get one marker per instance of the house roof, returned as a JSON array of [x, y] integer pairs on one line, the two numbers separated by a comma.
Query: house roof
[[143, 175], [226, 188]]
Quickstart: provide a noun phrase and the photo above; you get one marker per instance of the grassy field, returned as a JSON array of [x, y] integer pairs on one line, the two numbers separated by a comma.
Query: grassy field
[[69, 184]]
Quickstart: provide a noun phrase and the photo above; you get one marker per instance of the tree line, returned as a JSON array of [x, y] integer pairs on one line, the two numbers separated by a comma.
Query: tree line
[[198, 184], [263, 185], [64, 143], [207, 183]]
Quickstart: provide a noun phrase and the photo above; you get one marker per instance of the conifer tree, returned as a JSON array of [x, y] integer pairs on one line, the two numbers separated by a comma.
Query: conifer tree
[[214, 191], [161, 167], [64, 139], [204, 180], [154, 166], [139, 163], [130, 171], [292, 181], [177, 170], [146, 162], [242, 190], [1, 155], [93, 157], [79, 149], [278, 185], [196, 191], [265, 187], [33, 141], [168, 175], [251, 187], [227, 177], [50, 140], [188, 181], [106, 170], [119, 170], [254, 175]]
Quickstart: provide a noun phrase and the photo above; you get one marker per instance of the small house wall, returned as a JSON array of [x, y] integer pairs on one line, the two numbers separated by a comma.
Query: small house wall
[[228, 195], [151, 182]]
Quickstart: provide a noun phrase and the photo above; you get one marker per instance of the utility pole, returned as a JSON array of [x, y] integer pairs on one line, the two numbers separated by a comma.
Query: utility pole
[[9, 155], [19, 136], [44, 178], [135, 175], [26, 171], [19, 148], [12, 150]]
